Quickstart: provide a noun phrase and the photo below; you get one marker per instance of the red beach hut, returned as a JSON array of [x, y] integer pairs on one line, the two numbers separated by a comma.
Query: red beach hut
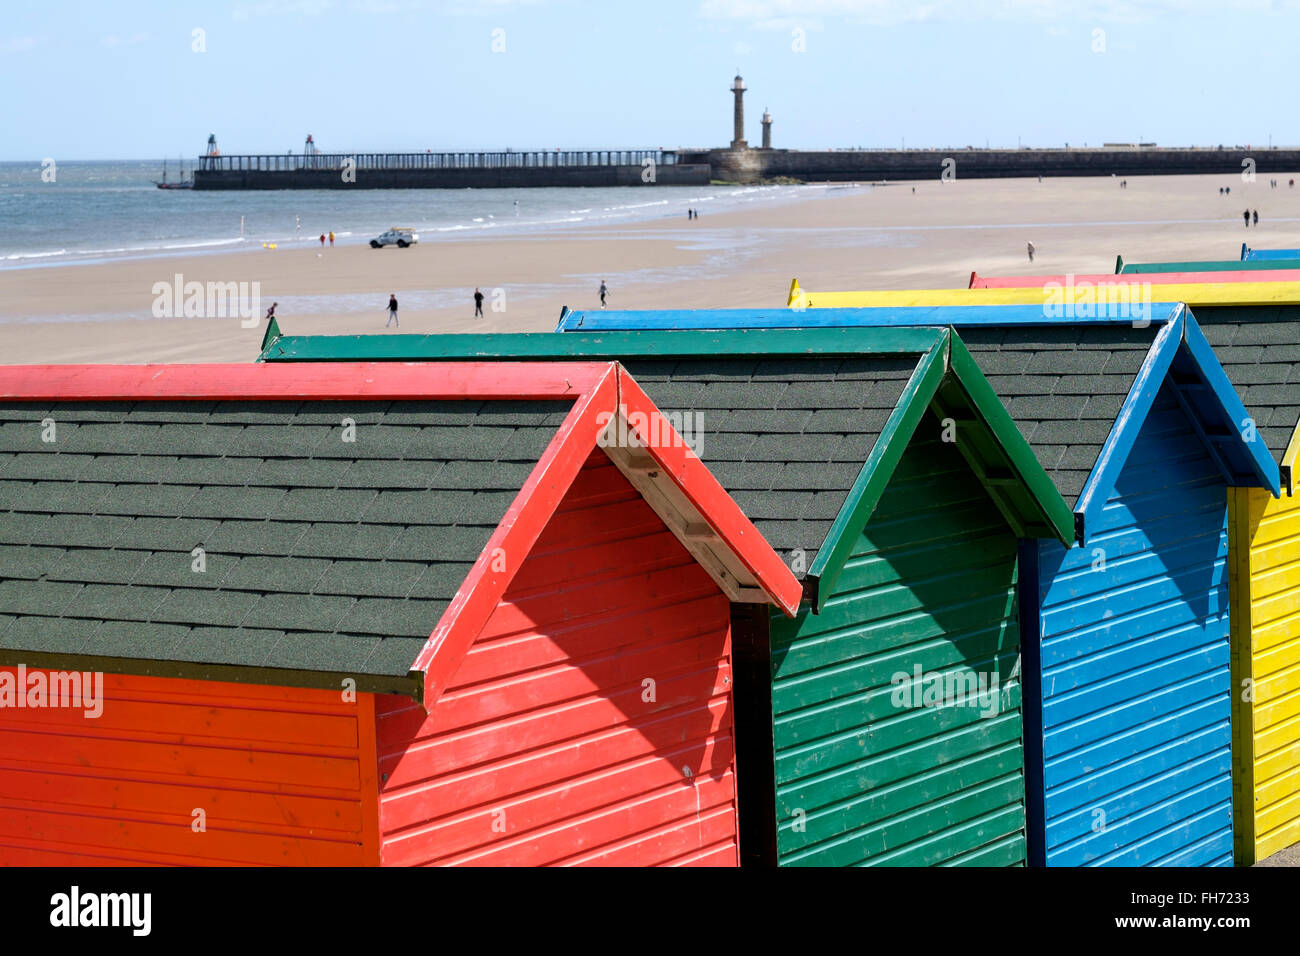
[[364, 614]]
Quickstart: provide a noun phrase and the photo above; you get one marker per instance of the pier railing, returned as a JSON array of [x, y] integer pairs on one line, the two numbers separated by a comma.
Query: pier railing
[[508, 159]]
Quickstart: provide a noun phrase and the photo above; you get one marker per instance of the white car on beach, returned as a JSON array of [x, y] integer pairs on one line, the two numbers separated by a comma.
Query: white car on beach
[[399, 236]]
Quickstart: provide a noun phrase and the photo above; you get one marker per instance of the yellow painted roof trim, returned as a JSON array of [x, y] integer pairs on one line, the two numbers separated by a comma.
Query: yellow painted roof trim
[[1292, 450], [1207, 294]]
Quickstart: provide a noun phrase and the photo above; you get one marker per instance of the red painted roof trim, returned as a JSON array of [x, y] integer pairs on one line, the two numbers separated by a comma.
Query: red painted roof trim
[[314, 381], [541, 495], [513, 538], [699, 486]]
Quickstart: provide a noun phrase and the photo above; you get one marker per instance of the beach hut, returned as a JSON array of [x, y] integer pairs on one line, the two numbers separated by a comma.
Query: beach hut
[[364, 615], [978, 281], [1067, 300], [1259, 348], [1128, 712], [1224, 265], [1266, 255], [882, 725]]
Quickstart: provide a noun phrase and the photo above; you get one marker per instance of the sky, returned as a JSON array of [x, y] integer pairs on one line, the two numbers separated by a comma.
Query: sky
[[143, 79]]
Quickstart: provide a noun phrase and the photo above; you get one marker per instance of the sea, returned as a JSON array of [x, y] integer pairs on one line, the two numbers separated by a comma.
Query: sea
[[81, 212]]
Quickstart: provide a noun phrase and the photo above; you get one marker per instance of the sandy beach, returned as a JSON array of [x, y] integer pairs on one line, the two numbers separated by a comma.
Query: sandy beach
[[883, 237]]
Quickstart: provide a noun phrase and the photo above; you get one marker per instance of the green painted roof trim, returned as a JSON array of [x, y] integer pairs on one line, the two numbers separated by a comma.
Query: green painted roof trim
[[598, 345], [1213, 265], [271, 334], [1057, 512], [876, 472], [948, 358]]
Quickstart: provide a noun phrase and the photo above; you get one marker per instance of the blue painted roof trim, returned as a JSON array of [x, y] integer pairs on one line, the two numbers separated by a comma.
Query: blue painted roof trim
[[1254, 464], [1258, 460], [785, 317], [1124, 432], [1249, 253]]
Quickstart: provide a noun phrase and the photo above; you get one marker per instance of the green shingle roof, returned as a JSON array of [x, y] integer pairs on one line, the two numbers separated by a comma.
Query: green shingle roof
[[324, 557], [1064, 386], [1259, 347]]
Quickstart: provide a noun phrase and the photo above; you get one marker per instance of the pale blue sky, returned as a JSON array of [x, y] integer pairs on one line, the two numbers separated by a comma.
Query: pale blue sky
[[90, 80]]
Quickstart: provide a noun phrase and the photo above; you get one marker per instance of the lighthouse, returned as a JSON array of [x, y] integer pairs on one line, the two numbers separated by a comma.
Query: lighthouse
[[767, 129], [738, 88]]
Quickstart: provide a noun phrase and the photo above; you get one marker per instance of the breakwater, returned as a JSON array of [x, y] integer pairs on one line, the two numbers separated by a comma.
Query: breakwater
[[460, 170], [755, 165], [485, 170]]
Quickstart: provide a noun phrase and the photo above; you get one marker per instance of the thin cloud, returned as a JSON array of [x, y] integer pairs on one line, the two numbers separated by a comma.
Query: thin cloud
[[113, 40], [250, 9], [280, 8], [880, 12], [19, 44]]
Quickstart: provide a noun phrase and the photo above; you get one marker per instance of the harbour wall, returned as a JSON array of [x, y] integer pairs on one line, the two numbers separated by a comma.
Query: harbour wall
[[466, 178], [754, 165]]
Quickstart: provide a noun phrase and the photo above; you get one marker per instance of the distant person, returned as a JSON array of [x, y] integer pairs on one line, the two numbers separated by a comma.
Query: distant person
[[1227, 190], [1031, 251], [322, 240], [1255, 216], [270, 313], [913, 190], [1292, 186], [1246, 216], [604, 291], [392, 311], [478, 303], [1220, 190], [331, 238]]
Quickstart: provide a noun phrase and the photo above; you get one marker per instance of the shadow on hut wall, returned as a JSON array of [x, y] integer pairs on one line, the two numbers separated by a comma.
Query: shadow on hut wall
[[604, 672], [1139, 612], [897, 709]]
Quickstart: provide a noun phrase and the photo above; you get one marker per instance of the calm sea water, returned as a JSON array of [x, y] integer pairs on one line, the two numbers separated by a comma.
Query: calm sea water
[[94, 211]]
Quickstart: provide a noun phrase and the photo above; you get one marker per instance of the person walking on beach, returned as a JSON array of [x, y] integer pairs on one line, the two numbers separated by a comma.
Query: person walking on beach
[[331, 238], [392, 311], [478, 302], [1031, 252], [1246, 216], [603, 292], [322, 240], [1256, 217]]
